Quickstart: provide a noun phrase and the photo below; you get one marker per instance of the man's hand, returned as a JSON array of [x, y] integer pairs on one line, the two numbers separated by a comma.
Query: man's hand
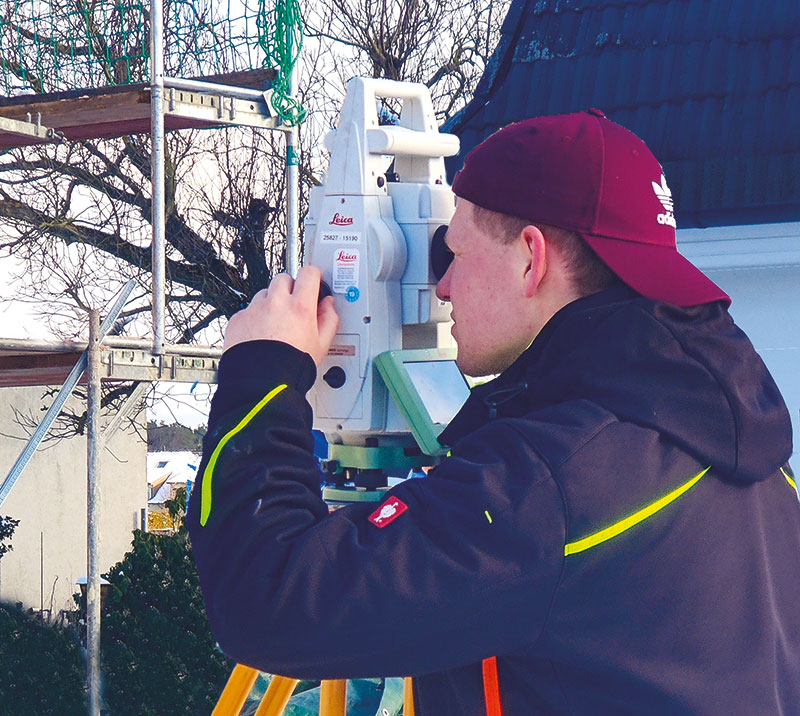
[[288, 311]]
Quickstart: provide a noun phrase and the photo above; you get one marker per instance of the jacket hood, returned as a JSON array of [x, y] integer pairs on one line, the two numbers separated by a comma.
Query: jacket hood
[[689, 373]]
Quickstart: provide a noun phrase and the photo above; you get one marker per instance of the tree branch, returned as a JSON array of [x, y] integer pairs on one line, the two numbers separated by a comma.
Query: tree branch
[[217, 290]]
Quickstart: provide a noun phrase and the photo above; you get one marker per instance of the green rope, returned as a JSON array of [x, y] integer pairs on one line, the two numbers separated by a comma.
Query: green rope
[[53, 45], [282, 47]]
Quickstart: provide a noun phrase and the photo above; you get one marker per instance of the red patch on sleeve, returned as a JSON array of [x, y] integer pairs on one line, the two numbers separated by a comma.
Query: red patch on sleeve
[[388, 512]]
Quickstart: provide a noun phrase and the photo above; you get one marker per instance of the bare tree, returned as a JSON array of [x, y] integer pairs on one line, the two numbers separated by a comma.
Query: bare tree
[[444, 44], [78, 213]]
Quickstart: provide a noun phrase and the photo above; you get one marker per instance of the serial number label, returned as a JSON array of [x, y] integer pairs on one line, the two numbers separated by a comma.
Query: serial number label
[[341, 237]]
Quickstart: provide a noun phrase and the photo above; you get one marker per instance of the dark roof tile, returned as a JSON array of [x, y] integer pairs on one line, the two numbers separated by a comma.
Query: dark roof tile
[[713, 86]]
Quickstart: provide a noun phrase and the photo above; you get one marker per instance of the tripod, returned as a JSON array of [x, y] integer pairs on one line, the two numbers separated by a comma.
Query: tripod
[[331, 701]]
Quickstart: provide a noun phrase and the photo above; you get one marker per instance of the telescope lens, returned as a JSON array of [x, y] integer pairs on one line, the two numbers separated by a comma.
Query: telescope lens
[[441, 256]]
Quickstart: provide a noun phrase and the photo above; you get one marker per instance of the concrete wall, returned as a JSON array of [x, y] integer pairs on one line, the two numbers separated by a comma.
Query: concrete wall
[[759, 267], [49, 545]]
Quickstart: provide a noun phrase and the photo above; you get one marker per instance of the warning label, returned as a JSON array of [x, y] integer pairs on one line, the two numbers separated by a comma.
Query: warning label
[[345, 270], [337, 350]]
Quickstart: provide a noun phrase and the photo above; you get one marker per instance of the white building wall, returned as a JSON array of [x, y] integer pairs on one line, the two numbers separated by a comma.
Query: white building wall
[[759, 267], [49, 500]]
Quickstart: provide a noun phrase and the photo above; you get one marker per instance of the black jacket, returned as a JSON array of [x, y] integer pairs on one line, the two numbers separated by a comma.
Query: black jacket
[[575, 531]]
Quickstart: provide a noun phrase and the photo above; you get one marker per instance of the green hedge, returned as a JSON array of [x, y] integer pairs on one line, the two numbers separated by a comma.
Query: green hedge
[[42, 668], [158, 654]]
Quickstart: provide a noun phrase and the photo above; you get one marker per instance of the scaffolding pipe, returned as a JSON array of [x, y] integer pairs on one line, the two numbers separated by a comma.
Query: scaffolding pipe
[[63, 395], [33, 345], [130, 403], [189, 85], [157, 161], [93, 509], [292, 191]]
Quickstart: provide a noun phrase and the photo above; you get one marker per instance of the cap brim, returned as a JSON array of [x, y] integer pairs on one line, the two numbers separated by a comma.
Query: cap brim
[[657, 272]]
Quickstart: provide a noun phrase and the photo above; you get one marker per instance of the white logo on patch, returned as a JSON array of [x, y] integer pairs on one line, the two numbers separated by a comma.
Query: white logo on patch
[[664, 195], [388, 512]]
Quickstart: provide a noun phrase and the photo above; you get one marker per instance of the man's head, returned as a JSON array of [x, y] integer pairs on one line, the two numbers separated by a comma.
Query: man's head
[[507, 278], [575, 203]]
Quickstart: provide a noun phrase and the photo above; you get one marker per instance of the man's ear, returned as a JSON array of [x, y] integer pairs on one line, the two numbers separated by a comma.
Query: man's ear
[[534, 249]]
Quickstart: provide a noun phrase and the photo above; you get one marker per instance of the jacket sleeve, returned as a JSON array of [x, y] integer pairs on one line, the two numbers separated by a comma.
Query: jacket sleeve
[[466, 571]]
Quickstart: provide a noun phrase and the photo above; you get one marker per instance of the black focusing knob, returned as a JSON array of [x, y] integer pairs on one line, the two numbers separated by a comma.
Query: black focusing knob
[[324, 291], [335, 377]]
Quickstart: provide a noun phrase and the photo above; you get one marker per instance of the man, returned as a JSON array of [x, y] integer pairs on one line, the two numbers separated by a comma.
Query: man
[[617, 523]]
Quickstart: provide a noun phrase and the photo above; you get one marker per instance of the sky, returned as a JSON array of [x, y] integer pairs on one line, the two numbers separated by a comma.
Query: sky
[[176, 402], [17, 318]]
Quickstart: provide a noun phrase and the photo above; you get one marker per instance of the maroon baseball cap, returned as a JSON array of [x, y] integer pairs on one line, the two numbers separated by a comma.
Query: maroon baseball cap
[[585, 173]]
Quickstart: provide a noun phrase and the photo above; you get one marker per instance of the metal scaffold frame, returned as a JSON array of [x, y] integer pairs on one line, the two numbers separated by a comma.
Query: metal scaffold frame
[[187, 103]]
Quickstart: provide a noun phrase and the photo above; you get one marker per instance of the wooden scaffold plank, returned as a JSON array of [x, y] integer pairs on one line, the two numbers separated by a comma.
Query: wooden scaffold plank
[[125, 109]]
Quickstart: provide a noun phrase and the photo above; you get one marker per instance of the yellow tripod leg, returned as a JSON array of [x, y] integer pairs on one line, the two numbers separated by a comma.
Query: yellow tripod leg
[[279, 692], [332, 698], [408, 697], [240, 684]]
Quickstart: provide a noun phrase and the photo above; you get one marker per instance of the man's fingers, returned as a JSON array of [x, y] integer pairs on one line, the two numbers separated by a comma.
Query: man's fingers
[[259, 297], [306, 287], [288, 311], [282, 284], [328, 322]]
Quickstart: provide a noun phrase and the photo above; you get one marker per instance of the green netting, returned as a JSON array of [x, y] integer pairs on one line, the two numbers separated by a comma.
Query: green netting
[[59, 45], [281, 38]]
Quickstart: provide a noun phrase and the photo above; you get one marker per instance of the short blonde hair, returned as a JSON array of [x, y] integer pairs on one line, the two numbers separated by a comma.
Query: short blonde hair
[[588, 271]]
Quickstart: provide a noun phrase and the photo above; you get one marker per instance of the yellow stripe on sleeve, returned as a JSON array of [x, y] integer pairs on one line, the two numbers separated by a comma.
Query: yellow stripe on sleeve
[[789, 479], [205, 498], [618, 528]]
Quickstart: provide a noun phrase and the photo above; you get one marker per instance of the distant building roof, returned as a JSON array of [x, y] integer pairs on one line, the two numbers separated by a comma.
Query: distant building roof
[[165, 469], [712, 86]]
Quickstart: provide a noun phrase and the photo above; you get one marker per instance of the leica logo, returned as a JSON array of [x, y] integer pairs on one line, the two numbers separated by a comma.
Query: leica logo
[[346, 257], [339, 220]]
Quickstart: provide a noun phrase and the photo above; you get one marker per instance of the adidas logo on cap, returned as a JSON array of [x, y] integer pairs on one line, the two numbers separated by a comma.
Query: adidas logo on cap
[[665, 197]]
